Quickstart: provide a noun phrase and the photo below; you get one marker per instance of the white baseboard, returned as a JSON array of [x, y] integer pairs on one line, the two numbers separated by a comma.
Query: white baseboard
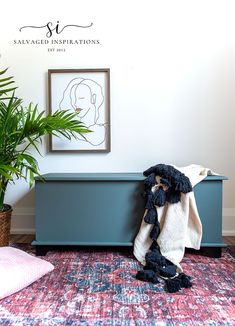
[[23, 211], [22, 231], [228, 222], [23, 220], [228, 233]]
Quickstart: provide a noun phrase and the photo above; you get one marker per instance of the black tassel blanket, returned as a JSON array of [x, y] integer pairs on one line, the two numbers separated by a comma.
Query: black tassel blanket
[[170, 223]]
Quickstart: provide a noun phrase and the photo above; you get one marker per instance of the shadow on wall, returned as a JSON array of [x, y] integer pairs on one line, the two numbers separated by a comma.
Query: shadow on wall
[[24, 214], [27, 200]]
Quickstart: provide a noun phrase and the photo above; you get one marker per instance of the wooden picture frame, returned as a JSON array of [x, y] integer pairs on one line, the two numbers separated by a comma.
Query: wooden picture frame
[[86, 91]]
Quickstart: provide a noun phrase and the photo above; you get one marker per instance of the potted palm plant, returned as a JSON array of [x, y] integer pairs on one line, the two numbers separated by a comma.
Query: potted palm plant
[[21, 128]]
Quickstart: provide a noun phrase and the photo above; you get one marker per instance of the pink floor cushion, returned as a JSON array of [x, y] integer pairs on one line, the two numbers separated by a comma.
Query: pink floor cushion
[[19, 269]]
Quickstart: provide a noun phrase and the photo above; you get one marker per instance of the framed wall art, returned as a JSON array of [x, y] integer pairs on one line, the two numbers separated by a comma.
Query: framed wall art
[[87, 92]]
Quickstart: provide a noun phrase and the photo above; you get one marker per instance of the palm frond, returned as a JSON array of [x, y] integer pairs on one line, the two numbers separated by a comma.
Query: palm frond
[[23, 127], [5, 82]]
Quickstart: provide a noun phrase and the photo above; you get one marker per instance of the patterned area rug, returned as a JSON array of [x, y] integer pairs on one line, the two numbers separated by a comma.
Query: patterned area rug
[[99, 288]]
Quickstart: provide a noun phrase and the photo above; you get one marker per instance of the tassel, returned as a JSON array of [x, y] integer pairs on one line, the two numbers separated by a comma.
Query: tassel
[[147, 276], [155, 257], [173, 196], [155, 232], [160, 169], [165, 182], [150, 181], [151, 216], [173, 285], [153, 266], [149, 171], [154, 246], [149, 203], [183, 184], [185, 280], [159, 197], [168, 271]]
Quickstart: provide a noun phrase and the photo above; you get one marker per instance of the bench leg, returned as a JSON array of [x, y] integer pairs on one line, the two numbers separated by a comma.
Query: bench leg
[[213, 252], [41, 250]]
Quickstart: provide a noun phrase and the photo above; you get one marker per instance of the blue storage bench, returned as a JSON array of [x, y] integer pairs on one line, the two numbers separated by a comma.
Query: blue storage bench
[[106, 209]]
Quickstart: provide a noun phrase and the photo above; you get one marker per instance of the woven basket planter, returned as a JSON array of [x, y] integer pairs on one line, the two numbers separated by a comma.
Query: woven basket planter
[[5, 226]]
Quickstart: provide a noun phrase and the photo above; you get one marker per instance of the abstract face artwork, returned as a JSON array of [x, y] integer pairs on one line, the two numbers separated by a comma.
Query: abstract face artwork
[[87, 94]]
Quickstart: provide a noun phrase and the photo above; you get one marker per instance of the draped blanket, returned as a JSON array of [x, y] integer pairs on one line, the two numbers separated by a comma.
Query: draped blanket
[[180, 224]]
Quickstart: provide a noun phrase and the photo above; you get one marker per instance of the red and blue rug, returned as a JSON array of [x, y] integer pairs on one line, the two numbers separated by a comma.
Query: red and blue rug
[[99, 288]]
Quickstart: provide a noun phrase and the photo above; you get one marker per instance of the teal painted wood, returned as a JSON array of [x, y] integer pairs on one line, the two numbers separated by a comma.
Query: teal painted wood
[[83, 243], [92, 176], [107, 208], [208, 196], [89, 211], [136, 176]]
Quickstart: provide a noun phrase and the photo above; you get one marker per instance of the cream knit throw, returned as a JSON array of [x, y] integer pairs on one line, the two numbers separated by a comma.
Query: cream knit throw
[[179, 223]]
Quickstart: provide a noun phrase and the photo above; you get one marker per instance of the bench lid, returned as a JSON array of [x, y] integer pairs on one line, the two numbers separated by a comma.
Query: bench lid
[[105, 177]]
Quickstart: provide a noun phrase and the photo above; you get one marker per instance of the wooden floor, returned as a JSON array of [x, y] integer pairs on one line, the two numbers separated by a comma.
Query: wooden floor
[[27, 238], [22, 238], [229, 241]]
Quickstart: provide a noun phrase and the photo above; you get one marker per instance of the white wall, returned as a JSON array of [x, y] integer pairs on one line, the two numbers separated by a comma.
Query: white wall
[[172, 84]]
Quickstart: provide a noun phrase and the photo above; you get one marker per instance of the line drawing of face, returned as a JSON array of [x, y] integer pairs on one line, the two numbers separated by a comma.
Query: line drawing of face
[[86, 97]]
